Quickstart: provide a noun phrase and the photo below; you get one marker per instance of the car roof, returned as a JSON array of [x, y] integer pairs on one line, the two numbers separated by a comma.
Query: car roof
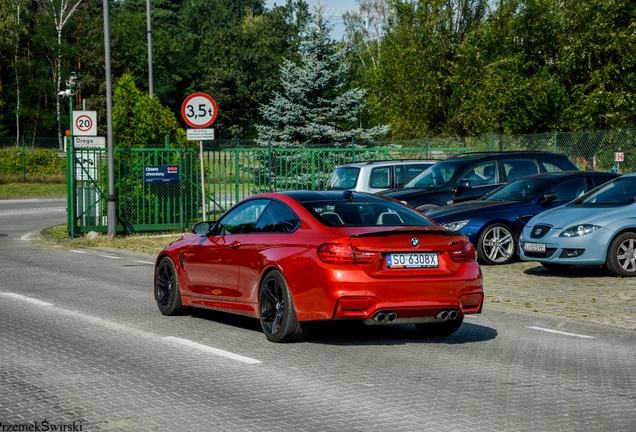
[[307, 195], [560, 174], [511, 153], [387, 162]]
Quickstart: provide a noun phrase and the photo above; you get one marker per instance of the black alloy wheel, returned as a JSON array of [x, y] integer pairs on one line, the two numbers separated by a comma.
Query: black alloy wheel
[[278, 317], [167, 290]]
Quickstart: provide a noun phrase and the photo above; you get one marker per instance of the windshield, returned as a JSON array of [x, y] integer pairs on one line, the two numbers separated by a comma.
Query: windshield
[[619, 192], [435, 176], [344, 178], [363, 212], [525, 189]]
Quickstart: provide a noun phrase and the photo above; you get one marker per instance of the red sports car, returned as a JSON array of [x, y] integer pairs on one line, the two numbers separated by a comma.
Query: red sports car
[[289, 258]]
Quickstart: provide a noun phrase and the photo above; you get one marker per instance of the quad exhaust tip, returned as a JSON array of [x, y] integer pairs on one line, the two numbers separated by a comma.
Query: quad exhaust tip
[[446, 315], [385, 317]]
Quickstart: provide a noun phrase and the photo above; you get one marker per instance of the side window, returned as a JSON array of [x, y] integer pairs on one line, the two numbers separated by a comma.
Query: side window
[[401, 175], [277, 218], [548, 167], [516, 168], [484, 174], [242, 219], [380, 177], [570, 189]]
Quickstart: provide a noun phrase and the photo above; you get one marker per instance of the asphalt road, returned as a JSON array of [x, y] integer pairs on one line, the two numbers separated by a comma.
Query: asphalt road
[[82, 345]]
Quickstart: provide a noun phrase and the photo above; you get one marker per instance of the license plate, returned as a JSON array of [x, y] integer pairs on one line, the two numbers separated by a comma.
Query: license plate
[[412, 260], [534, 247]]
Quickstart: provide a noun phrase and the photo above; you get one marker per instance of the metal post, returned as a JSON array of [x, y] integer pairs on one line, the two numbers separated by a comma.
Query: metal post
[[203, 203], [554, 144], [23, 162], [112, 204], [72, 204], [149, 29]]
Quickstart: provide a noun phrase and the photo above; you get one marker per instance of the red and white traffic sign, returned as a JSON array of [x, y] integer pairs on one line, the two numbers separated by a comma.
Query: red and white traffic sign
[[619, 157], [85, 123], [199, 110]]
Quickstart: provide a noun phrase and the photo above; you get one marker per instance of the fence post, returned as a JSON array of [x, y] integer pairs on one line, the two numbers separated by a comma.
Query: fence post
[[23, 162], [492, 141], [554, 144], [181, 221], [269, 165], [167, 141], [353, 150]]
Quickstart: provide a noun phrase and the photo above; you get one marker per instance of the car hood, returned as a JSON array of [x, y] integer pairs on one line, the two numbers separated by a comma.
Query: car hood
[[467, 209], [566, 216]]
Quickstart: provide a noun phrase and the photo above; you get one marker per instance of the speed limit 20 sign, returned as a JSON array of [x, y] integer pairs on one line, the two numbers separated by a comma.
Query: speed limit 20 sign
[[199, 110], [85, 123]]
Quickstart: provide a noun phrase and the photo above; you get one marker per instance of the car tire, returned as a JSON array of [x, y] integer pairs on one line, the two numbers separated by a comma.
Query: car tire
[[277, 314], [440, 329], [496, 245], [167, 291], [555, 266], [621, 255]]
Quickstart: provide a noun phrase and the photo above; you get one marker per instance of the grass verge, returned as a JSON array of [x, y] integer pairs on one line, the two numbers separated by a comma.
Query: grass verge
[[146, 244], [32, 190]]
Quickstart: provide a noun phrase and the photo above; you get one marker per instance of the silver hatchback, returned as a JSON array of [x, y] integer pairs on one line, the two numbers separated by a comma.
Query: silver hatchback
[[376, 176]]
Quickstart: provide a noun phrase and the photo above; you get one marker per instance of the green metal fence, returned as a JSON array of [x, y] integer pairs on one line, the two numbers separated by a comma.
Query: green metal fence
[[141, 206], [235, 169]]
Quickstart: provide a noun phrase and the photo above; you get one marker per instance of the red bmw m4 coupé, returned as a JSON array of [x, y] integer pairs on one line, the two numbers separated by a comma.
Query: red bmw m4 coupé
[[290, 258]]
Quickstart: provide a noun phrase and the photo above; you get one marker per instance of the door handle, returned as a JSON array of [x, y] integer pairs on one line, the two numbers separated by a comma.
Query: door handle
[[235, 245]]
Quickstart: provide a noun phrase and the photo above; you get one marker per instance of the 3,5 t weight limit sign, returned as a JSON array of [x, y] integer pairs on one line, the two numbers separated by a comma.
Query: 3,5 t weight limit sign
[[199, 110]]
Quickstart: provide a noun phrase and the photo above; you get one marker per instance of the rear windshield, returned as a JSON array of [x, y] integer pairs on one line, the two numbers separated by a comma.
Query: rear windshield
[[436, 176], [344, 178], [361, 212]]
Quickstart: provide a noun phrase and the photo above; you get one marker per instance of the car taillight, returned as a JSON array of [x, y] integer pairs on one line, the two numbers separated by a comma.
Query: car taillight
[[333, 253], [465, 254]]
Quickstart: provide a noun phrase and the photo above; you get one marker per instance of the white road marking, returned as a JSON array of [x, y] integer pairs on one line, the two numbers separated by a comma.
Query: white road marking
[[77, 251], [212, 350], [145, 262], [27, 299], [133, 331], [110, 256], [562, 333], [29, 237]]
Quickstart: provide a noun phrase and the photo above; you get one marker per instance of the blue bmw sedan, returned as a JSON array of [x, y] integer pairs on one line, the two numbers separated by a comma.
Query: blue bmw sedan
[[493, 223], [597, 229]]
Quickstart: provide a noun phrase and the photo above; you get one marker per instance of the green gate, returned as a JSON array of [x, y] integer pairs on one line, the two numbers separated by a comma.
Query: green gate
[[141, 206]]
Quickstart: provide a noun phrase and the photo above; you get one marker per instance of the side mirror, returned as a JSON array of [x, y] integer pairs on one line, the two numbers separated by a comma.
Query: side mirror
[[548, 198], [202, 228], [462, 185]]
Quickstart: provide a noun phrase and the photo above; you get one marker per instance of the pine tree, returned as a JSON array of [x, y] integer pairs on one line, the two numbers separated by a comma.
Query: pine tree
[[315, 108]]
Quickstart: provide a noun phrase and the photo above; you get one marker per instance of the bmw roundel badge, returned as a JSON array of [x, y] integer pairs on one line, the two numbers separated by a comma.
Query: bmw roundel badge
[[415, 242]]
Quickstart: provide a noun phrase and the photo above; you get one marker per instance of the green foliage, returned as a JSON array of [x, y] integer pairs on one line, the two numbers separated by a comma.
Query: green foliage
[[140, 120], [34, 162]]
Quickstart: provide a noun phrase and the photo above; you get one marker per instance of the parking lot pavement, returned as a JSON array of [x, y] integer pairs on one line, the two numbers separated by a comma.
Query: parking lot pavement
[[580, 293]]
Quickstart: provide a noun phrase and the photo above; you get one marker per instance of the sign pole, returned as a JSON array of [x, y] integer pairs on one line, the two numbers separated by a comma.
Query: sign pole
[[203, 201]]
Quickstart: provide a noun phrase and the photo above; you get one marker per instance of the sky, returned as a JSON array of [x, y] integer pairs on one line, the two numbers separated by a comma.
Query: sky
[[338, 30]]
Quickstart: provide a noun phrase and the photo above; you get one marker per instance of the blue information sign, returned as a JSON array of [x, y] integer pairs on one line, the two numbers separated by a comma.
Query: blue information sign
[[161, 174]]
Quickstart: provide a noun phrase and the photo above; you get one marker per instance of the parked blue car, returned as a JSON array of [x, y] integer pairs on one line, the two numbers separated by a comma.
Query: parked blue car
[[598, 229], [493, 223]]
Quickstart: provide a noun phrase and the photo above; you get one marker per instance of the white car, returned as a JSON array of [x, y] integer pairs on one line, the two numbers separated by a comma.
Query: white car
[[376, 176]]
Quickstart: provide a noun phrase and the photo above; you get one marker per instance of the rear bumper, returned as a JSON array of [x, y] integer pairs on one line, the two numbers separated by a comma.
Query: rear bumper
[[352, 295]]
